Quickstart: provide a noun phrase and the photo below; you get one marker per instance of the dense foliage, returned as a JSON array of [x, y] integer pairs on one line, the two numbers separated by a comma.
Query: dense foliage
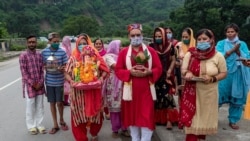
[[109, 16], [212, 14]]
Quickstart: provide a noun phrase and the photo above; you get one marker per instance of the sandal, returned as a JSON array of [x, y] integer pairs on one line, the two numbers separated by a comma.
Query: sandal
[[94, 138], [234, 126], [42, 130], [64, 126], [107, 117], [33, 131], [54, 130], [115, 135], [169, 126], [125, 133]]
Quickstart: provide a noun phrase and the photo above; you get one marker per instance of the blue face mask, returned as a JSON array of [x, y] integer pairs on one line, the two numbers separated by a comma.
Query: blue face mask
[[80, 48], [158, 41], [136, 41], [203, 45], [169, 36]]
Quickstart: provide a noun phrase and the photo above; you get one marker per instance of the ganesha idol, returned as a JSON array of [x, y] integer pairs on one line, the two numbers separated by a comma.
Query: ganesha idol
[[86, 71]]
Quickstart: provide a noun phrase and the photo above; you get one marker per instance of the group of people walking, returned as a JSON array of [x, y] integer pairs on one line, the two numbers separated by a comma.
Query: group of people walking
[[136, 84]]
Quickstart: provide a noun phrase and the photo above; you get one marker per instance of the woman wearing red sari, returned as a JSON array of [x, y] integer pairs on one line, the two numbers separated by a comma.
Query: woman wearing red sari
[[165, 107], [86, 105], [202, 68]]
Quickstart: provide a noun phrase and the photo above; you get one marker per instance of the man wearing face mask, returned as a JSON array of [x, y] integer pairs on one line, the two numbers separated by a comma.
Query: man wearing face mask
[[139, 67], [54, 59], [234, 88]]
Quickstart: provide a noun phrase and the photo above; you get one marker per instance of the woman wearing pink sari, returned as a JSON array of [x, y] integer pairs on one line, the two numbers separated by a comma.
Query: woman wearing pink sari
[[112, 90], [66, 46]]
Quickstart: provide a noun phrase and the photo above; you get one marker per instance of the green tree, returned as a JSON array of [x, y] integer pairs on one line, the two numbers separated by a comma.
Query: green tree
[[80, 24], [3, 30], [25, 25], [211, 14]]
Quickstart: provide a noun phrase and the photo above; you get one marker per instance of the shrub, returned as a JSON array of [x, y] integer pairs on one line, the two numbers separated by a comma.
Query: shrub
[[17, 47], [41, 45]]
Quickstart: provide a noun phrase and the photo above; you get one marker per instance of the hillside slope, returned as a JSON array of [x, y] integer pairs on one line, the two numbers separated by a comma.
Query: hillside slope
[[111, 15]]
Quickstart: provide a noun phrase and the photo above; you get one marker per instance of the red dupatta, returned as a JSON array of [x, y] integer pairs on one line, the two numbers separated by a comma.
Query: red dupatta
[[188, 99]]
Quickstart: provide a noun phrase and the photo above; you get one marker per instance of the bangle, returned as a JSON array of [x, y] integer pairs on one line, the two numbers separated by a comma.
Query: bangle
[[214, 79]]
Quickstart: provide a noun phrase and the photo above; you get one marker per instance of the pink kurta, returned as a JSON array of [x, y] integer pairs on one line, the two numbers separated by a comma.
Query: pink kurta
[[140, 111]]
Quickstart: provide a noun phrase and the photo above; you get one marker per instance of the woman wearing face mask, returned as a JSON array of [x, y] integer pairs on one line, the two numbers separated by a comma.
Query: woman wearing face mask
[[202, 68], [187, 41], [177, 70], [234, 88], [169, 35], [85, 105], [165, 107]]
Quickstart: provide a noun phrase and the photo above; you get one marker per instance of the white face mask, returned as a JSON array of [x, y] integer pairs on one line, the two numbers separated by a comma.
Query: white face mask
[[136, 41], [235, 40], [169, 36]]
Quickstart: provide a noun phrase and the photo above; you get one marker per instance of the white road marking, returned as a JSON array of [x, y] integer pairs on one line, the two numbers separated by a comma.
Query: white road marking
[[10, 83]]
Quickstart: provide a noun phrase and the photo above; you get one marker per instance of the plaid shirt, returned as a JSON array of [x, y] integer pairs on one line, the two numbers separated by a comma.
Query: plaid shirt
[[31, 66]]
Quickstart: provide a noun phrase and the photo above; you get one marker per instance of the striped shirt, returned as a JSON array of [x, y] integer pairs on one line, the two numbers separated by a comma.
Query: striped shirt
[[54, 79], [31, 66]]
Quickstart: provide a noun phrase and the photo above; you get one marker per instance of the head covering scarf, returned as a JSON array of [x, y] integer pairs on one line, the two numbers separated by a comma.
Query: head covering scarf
[[102, 51], [164, 54], [188, 101], [114, 47], [165, 44], [66, 45], [185, 47], [77, 54], [113, 50]]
